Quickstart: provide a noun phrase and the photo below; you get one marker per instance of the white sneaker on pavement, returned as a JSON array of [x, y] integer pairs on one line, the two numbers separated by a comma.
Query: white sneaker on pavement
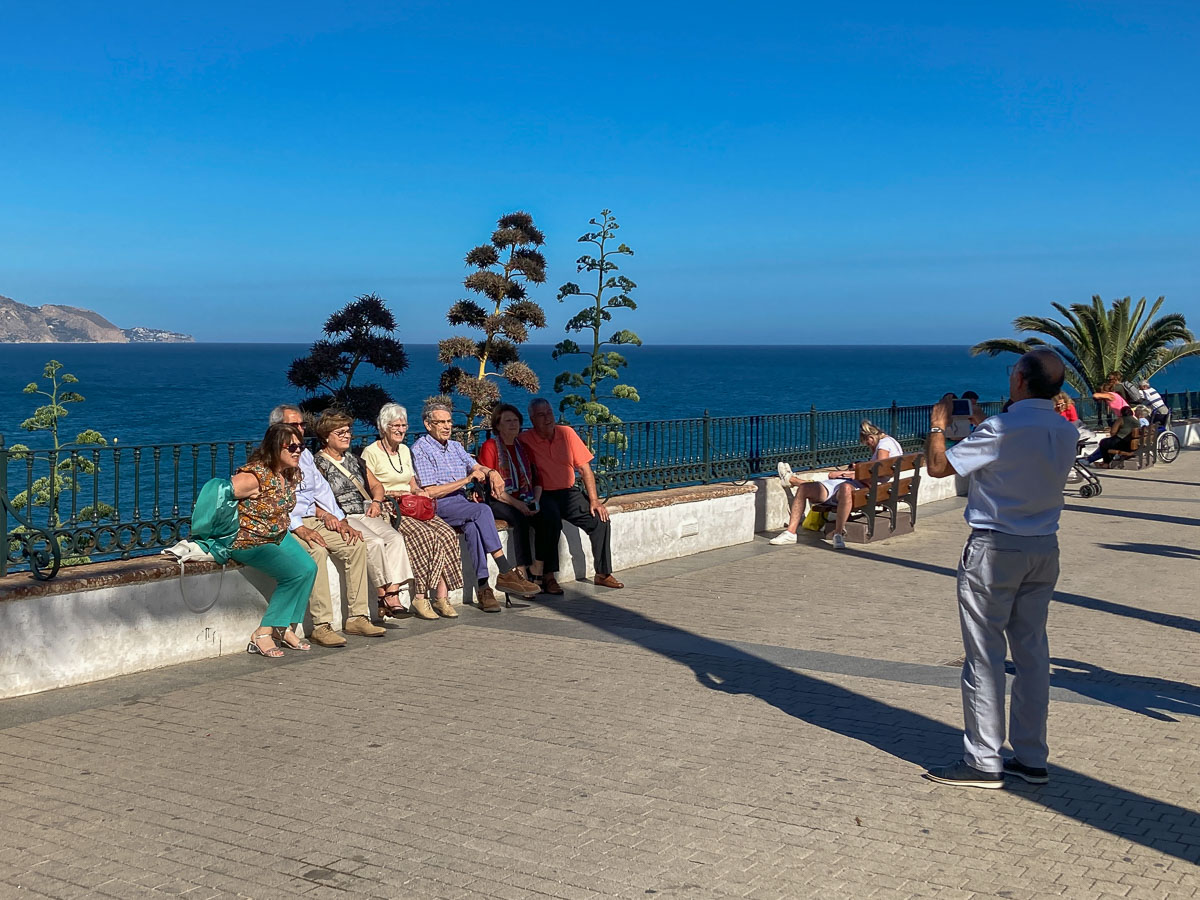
[[785, 474], [839, 541], [784, 537]]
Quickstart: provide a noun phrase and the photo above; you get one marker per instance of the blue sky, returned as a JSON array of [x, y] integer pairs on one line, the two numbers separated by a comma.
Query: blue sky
[[787, 173]]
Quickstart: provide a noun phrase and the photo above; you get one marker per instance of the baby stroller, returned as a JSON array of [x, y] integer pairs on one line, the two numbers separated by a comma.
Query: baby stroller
[[1082, 475]]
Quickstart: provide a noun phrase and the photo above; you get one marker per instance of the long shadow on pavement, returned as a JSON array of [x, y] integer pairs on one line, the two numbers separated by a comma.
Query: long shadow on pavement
[[1168, 620], [1130, 514], [1151, 697], [907, 735], [1155, 550], [1124, 477]]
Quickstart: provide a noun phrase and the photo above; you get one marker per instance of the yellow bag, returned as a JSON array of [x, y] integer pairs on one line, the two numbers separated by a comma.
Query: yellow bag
[[814, 521]]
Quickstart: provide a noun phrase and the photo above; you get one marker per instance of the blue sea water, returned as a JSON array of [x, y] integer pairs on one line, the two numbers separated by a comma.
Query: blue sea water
[[159, 393]]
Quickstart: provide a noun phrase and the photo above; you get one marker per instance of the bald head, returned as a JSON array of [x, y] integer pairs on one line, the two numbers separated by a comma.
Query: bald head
[[1042, 372]]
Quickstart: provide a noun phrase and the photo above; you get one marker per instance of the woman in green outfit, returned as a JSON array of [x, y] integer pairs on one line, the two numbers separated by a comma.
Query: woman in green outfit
[[265, 491]]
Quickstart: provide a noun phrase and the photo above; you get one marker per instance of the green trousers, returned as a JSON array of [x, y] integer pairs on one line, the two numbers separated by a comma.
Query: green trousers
[[293, 569]]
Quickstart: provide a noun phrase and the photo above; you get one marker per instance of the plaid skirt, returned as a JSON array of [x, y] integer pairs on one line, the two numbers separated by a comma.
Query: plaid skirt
[[432, 551]]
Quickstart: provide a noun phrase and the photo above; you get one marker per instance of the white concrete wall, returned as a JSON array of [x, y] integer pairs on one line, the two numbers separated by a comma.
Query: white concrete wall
[[1189, 434], [81, 636]]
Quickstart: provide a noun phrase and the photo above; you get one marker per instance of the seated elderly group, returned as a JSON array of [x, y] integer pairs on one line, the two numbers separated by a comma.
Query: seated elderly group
[[296, 509]]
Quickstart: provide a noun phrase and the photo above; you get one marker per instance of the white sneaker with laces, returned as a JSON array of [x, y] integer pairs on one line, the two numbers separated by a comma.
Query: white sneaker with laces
[[784, 537], [785, 474], [839, 542]]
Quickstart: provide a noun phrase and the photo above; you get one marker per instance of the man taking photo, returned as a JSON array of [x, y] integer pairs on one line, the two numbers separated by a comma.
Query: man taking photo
[[1018, 463]]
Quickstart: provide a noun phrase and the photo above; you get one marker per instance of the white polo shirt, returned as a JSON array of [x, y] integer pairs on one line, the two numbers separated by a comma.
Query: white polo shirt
[[1018, 462]]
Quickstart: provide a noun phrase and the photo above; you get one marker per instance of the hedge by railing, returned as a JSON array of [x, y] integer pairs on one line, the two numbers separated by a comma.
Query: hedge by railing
[[151, 488]]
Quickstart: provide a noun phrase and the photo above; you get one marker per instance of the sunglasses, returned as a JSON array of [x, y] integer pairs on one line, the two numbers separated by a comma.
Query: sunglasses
[[293, 448]]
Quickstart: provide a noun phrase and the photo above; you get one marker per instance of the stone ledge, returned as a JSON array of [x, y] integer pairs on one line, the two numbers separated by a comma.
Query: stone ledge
[[93, 576], [672, 496]]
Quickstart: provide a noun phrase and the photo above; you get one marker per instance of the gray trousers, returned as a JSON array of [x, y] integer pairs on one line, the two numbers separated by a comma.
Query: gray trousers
[[1005, 583]]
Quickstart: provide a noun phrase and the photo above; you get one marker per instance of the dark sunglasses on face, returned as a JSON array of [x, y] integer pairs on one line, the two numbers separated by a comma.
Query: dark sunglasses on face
[[293, 448]]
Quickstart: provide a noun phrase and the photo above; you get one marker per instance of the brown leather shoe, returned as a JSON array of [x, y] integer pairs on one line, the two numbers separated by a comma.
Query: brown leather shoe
[[550, 586], [607, 581], [363, 626], [421, 609], [441, 605], [324, 635], [486, 599], [512, 583]]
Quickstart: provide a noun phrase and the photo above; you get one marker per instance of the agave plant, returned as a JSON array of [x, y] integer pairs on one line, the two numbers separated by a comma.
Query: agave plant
[[504, 314], [1096, 340]]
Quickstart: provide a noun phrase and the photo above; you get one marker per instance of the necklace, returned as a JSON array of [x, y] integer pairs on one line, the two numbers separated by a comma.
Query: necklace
[[399, 470]]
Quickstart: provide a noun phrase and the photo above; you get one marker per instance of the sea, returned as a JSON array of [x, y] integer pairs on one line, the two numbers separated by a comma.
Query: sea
[[168, 393]]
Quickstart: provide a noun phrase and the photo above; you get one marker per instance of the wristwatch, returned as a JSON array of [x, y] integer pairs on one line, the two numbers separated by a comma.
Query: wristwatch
[[936, 430]]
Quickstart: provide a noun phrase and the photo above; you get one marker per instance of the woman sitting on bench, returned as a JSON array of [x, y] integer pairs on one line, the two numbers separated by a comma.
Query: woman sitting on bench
[[840, 487], [1120, 439]]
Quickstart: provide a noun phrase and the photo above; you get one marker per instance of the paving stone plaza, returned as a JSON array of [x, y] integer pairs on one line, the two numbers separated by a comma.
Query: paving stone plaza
[[750, 722]]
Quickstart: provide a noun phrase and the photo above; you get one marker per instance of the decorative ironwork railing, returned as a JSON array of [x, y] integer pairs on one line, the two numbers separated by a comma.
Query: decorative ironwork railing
[[126, 501]]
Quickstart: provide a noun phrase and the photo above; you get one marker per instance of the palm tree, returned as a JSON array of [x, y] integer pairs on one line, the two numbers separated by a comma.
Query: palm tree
[[1096, 340]]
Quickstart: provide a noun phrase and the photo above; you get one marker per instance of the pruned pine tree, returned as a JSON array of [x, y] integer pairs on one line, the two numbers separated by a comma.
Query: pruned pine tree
[[361, 332], [599, 379], [503, 312]]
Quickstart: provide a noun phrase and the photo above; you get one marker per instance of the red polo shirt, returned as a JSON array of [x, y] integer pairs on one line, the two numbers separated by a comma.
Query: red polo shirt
[[557, 459]]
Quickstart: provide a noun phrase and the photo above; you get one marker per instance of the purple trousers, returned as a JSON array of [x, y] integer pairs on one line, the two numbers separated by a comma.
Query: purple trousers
[[478, 526]]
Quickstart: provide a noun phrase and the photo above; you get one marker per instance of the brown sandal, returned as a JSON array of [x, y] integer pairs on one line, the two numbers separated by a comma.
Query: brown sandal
[[395, 610]]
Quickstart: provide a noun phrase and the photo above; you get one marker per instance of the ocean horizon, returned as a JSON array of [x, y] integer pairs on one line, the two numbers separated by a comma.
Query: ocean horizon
[[203, 391]]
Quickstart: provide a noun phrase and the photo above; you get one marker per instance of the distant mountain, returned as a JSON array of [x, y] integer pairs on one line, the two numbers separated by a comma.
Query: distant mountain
[[21, 324]]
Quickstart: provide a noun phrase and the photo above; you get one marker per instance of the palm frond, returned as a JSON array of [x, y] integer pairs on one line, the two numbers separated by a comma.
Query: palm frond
[[996, 346], [1171, 355]]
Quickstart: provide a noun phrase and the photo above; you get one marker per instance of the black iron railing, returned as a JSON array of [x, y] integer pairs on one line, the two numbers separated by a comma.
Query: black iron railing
[[118, 501]]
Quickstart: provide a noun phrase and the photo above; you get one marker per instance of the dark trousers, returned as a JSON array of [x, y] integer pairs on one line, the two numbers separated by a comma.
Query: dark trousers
[[519, 524], [571, 505], [1110, 445]]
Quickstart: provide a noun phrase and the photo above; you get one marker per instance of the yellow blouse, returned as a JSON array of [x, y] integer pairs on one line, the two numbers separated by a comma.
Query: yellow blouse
[[394, 472]]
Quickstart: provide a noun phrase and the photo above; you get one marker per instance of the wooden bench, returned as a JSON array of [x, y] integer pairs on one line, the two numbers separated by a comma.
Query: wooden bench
[[887, 484], [1141, 450]]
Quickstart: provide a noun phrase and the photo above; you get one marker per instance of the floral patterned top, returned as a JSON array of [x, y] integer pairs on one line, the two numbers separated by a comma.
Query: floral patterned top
[[264, 519]]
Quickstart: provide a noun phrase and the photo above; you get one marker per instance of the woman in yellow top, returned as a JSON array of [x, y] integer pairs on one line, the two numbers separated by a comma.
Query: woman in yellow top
[[433, 549], [265, 488]]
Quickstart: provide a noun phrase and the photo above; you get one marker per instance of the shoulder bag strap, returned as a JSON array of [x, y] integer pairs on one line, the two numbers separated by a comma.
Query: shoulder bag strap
[[354, 481]]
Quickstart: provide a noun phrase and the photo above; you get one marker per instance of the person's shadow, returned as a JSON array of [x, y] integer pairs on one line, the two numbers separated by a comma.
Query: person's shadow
[[1153, 697], [907, 735]]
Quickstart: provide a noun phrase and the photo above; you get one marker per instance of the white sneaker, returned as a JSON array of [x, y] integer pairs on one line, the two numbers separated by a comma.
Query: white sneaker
[[785, 474], [784, 537], [839, 542]]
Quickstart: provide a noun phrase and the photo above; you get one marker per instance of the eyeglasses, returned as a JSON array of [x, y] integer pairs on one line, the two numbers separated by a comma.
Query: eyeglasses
[[343, 433], [398, 426], [441, 421], [293, 448]]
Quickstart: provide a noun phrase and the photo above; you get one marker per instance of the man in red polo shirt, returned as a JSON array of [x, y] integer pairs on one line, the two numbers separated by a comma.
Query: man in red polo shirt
[[558, 454]]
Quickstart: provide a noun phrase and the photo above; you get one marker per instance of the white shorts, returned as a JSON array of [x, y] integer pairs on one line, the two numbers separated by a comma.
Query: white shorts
[[832, 486]]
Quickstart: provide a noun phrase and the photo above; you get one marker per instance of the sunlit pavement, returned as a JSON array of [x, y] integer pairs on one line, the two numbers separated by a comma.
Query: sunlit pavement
[[748, 722]]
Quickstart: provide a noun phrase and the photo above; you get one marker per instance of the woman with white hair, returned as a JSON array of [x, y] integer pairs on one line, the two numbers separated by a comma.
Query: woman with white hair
[[839, 487], [432, 544]]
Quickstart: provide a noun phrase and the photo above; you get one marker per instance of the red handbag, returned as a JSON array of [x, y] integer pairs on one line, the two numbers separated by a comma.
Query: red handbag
[[415, 507]]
